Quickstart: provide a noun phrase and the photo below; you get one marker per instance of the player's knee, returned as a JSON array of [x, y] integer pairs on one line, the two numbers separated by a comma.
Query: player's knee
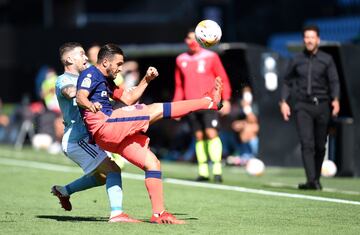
[[108, 166], [156, 112], [152, 165], [100, 178]]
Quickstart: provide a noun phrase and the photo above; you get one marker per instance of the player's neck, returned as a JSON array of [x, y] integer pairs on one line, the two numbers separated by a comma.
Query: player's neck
[[102, 70], [71, 70]]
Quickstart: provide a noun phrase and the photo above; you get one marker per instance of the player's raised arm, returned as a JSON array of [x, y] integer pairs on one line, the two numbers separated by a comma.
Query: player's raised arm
[[83, 101], [131, 96]]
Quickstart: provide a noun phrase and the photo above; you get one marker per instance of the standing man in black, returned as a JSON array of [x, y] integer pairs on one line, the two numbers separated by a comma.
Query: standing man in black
[[315, 77]]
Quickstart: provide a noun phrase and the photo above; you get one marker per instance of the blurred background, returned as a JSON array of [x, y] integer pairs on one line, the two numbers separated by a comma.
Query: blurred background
[[259, 37]]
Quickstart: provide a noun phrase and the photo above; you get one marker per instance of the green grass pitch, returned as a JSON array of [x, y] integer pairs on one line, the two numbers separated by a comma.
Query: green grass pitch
[[27, 207]]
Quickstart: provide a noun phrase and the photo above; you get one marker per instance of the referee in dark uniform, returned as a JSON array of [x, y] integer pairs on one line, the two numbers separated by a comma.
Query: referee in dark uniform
[[317, 90]]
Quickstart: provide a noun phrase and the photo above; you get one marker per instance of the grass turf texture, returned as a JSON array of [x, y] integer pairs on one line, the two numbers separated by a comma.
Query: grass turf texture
[[27, 207]]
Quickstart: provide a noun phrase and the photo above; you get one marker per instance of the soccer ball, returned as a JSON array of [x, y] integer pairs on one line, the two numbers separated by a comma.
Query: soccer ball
[[255, 167], [207, 33], [328, 168], [41, 141]]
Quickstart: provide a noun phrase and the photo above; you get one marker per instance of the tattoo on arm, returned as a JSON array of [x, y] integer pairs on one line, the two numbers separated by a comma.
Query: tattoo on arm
[[69, 92]]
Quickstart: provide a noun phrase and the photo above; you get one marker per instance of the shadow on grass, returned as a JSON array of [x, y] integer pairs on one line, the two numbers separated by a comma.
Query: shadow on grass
[[99, 219], [73, 218], [280, 186]]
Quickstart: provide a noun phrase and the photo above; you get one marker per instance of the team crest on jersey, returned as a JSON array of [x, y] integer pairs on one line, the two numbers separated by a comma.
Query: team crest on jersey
[[201, 66], [86, 82], [104, 94], [184, 64]]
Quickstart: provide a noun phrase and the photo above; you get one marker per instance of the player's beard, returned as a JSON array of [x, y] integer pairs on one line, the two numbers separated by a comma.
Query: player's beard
[[111, 74]]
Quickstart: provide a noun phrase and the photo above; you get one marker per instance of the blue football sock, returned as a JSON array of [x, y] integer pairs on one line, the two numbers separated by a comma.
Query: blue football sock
[[114, 190], [83, 183]]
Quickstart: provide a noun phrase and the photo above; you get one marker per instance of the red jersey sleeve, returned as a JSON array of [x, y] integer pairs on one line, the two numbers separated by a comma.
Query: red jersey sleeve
[[220, 71], [117, 93], [179, 89]]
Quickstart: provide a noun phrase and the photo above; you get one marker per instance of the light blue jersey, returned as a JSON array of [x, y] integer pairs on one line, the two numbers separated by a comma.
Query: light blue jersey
[[75, 129]]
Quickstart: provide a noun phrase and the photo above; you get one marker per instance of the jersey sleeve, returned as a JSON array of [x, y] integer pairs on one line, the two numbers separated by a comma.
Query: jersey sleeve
[[87, 81], [63, 82], [179, 90], [219, 70]]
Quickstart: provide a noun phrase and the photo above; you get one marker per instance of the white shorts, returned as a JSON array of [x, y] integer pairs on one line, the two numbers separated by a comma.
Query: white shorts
[[87, 156]]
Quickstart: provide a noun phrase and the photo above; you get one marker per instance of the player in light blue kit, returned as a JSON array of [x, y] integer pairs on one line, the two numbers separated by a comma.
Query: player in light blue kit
[[97, 166]]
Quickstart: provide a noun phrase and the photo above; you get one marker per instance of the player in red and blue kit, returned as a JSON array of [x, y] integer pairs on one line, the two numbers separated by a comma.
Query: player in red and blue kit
[[121, 130], [195, 73]]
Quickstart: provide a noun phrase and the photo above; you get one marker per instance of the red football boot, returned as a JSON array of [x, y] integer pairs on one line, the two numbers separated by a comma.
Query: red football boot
[[166, 218], [64, 199]]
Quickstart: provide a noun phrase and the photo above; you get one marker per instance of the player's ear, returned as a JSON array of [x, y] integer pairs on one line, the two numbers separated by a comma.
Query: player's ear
[[69, 60], [105, 62]]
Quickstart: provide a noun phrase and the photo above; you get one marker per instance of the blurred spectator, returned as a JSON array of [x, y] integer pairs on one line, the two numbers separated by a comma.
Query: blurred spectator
[[246, 128], [92, 53], [47, 117], [130, 73], [4, 122], [40, 77], [47, 92]]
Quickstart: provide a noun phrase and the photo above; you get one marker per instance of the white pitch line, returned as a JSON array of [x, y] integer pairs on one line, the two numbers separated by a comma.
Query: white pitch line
[[54, 167]]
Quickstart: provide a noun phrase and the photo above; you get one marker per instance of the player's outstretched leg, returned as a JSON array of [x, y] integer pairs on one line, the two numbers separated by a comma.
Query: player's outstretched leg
[[210, 101], [63, 192]]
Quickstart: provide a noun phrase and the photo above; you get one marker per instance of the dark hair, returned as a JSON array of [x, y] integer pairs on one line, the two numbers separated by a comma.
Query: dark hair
[[311, 28], [190, 30], [66, 47], [108, 51]]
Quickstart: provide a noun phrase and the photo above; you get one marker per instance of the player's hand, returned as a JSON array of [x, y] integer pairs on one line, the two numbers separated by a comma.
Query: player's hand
[[94, 107], [151, 74], [225, 110], [335, 107], [285, 110]]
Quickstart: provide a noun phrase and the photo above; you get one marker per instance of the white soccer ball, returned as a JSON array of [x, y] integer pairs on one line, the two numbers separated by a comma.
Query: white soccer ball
[[41, 141], [255, 167], [208, 33], [328, 168]]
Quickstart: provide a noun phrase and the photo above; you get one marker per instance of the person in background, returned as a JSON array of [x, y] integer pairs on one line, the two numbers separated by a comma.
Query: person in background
[[246, 128], [92, 53], [195, 72], [47, 115], [317, 99], [4, 122]]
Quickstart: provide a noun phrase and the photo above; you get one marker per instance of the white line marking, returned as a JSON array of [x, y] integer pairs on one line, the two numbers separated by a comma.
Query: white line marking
[[54, 167]]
